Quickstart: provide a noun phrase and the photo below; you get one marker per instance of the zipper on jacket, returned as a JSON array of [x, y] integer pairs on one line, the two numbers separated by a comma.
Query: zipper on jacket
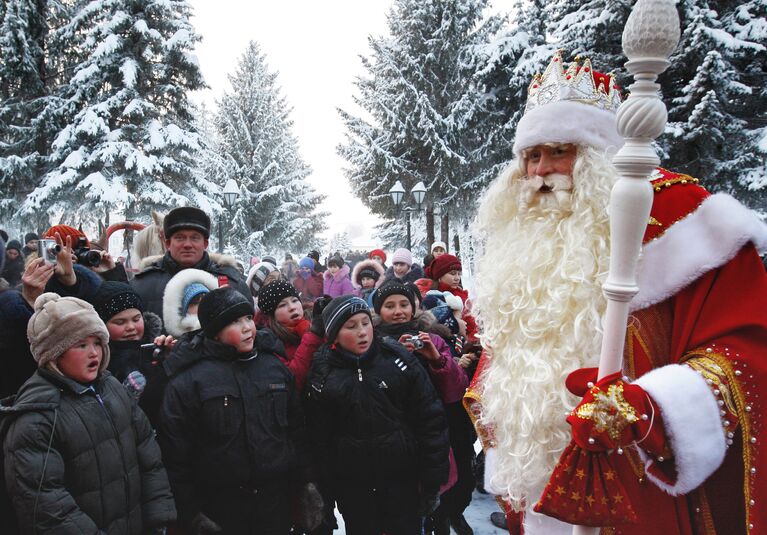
[[359, 370], [126, 481]]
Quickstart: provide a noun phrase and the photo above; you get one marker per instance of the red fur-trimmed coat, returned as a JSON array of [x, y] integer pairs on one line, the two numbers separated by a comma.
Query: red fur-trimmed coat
[[695, 343]]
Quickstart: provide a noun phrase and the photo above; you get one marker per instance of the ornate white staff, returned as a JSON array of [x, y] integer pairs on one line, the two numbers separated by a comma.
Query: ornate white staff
[[651, 34]]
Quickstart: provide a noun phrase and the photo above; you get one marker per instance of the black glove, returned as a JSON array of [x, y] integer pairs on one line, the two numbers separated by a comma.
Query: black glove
[[318, 326], [202, 525], [427, 504]]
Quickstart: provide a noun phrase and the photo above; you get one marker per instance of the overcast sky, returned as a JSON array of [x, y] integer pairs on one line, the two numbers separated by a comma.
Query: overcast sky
[[315, 47]]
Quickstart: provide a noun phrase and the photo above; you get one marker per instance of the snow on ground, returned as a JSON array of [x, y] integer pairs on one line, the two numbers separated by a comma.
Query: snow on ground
[[477, 515]]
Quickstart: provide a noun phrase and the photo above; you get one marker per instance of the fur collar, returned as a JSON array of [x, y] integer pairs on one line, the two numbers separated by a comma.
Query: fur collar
[[217, 258]]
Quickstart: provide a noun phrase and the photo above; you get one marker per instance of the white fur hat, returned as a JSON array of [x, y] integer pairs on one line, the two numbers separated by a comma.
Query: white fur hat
[[172, 300]]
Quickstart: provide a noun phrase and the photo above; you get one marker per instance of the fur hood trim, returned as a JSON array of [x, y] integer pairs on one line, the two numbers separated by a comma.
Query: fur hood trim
[[340, 275], [369, 264], [173, 297]]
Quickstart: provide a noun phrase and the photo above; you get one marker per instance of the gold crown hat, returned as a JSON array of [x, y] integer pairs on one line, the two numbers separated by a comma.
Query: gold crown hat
[[570, 105]]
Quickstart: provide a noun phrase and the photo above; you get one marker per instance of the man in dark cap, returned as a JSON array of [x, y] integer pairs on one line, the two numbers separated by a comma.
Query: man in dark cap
[[186, 231], [30, 243]]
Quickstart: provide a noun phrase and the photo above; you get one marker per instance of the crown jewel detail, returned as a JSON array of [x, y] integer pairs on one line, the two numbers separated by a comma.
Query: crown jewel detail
[[577, 83]]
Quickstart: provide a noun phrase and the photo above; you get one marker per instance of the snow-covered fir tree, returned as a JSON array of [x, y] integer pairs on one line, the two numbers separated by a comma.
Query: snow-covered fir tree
[[424, 117], [127, 143], [592, 29], [277, 207], [510, 61], [25, 83], [716, 95], [339, 242]]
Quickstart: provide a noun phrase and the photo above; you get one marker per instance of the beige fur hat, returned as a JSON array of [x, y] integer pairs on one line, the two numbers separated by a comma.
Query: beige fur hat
[[59, 323]]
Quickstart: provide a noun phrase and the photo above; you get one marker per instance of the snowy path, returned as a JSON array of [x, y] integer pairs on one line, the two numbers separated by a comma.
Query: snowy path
[[477, 515]]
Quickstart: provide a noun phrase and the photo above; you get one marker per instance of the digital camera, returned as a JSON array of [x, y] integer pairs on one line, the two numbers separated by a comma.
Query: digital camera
[[85, 256], [417, 342], [47, 250]]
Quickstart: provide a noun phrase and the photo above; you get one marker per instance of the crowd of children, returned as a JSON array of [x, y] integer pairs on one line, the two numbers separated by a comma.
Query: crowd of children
[[336, 389]]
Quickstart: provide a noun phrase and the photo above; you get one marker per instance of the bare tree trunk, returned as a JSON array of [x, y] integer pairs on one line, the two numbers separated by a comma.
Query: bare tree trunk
[[444, 230], [429, 226], [456, 245]]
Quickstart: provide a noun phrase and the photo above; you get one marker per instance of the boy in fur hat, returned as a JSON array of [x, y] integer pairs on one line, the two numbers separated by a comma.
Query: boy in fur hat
[[81, 455]]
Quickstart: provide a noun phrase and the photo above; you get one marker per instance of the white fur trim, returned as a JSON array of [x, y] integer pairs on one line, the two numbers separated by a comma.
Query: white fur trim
[[692, 424], [453, 301], [491, 467], [372, 264], [568, 122], [174, 295], [704, 240]]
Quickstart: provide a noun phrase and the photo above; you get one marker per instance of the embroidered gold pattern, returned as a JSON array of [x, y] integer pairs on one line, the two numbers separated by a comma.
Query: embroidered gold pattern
[[742, 411], [655, 222], [609, 411]]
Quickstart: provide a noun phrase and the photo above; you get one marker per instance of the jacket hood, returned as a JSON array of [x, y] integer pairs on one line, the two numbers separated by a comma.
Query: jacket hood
[[340, 275], [175, 323], [41, 392], [367, 264]]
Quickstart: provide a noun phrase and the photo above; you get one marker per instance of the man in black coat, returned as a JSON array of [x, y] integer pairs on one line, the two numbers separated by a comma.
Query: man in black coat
[[186, 233]]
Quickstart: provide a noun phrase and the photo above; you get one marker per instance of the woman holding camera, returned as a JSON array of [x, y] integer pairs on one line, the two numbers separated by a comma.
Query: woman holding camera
[[420, 332], [397, 317]]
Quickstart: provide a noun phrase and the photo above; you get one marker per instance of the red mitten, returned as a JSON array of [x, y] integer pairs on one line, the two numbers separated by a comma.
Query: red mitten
[[614, 413]]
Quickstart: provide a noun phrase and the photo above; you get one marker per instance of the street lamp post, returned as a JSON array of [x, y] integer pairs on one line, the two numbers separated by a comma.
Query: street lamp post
[[231, 192], [397, 193]]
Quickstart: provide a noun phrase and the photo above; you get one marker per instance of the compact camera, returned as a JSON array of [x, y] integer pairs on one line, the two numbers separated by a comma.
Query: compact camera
[[417, 342], [85, 256], [47, 250]]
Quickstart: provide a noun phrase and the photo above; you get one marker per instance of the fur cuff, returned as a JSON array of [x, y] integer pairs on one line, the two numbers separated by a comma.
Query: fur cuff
[[692, 424], [706, 239]]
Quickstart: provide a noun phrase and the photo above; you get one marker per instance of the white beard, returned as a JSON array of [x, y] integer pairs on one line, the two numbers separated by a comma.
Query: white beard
[[540, 306]]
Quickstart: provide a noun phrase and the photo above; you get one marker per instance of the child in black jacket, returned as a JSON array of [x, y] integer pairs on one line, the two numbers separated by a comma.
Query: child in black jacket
[[232, 427], [377, 425]]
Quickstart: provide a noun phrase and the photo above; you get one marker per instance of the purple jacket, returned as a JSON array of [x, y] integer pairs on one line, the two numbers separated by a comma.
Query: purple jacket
[[338, 284], [447, 376]]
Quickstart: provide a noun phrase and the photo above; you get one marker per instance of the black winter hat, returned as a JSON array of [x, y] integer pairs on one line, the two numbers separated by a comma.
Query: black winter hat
[[314, 254], [4, 236], [220, 307], [340, 309], [30, 236], [270, 259], [186, 218], [113, 297], [13, 244], [269, 296], [392, 288]]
